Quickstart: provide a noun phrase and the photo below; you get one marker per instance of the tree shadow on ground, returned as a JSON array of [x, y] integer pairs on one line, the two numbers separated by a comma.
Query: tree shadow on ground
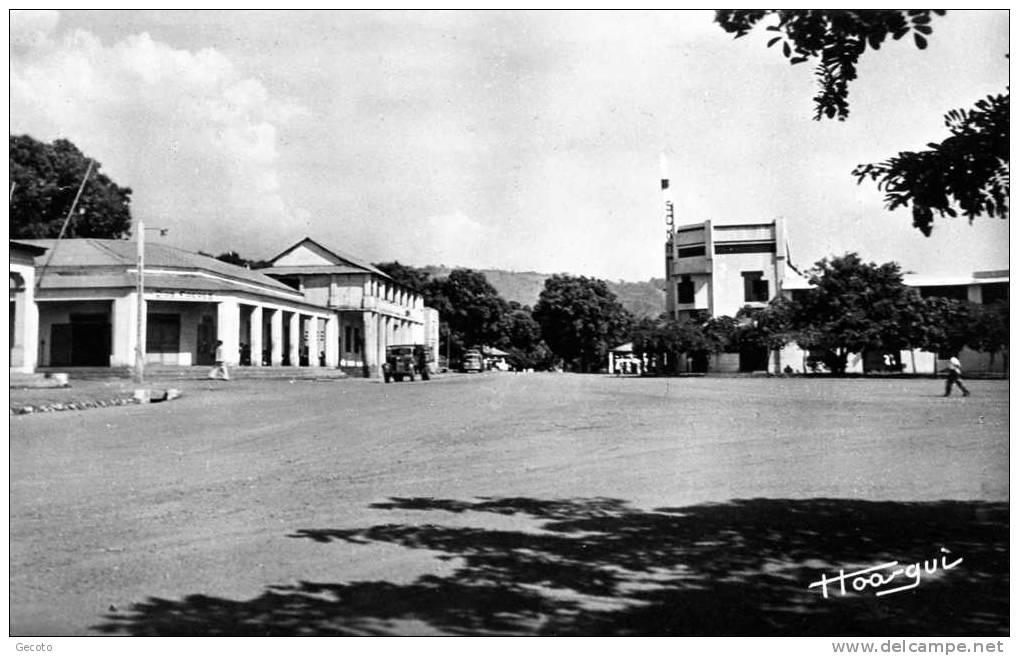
[[601, 567]]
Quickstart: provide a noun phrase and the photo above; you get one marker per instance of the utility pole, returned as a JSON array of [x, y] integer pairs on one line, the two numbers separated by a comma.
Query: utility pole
[[139, 346]]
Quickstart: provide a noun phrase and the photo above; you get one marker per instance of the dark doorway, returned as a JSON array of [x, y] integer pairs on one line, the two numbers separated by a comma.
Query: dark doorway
[[84, 342], [162, 338], [206, 341], [699, 363], [753, 359]]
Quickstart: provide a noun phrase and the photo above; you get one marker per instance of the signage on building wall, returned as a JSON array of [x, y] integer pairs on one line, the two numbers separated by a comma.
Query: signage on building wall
[[180, 296]]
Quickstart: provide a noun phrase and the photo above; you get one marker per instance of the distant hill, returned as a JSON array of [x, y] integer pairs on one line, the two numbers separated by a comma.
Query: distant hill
[[642, 299]]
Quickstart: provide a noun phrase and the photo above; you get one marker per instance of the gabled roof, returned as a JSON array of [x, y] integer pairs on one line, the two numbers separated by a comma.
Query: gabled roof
[[339, 258], [119, 253]]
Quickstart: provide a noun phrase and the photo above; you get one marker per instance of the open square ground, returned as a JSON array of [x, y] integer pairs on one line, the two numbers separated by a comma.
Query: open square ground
[[513, 504]]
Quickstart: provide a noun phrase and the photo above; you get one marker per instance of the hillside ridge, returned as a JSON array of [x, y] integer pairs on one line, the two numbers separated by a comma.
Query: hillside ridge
[[642, 299]]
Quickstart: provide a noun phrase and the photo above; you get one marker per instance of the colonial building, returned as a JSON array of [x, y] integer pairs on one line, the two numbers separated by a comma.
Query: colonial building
[[719, 268], [372, 309], [24, 315], [296, 313]]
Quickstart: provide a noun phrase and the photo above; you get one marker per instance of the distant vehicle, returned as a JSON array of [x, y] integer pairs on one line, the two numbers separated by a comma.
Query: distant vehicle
[[472, 361], [406, 361]]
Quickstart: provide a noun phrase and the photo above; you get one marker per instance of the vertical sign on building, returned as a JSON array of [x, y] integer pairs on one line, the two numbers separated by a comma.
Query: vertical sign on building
[[670, 219]]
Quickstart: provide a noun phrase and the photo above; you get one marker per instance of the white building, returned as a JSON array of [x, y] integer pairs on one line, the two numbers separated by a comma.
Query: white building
[[24, 314], [718, 268], [314, 307], [373, 310]]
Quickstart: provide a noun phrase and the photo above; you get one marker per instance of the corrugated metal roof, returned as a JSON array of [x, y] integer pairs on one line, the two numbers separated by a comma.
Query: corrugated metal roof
[[25, 247], [73, 253], [99, 281], [311, 270]]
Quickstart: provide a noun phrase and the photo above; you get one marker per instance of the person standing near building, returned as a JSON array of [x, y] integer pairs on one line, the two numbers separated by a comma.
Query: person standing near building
[[954, 372], [219, 371]]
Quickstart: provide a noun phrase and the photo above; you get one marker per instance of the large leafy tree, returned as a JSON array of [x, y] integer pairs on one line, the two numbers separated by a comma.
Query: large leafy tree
[[581, 320], [522, 339], [473, 311], [965, 173], [44, 180], [410, 277], [854, 307], [989, 329], [666, 339]]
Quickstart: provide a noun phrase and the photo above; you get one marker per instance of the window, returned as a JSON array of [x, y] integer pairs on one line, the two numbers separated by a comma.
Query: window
[[755, 287], [691, 251], [684, 290]]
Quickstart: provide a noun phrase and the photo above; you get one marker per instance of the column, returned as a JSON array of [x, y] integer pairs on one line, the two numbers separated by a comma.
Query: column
[[369, 348], [228, 330], [255, 336], [332, 341], [276, 338], [124, 331], [295, 339]]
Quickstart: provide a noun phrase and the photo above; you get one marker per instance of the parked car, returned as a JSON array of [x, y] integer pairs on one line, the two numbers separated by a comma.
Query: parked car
[[406, 361], [472, 361]]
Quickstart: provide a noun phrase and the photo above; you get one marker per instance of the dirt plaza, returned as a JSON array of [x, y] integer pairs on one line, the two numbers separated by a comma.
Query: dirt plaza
[[512, 504]]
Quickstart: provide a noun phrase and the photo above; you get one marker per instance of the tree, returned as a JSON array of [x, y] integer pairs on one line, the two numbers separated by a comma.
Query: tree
[[947, 325], [853, 307], [968, 170], [666, 339], [581, 320], [989, 329], [473, 310], [44, 180], [965, 173], [235, 258], [837, 37], [412, 278]]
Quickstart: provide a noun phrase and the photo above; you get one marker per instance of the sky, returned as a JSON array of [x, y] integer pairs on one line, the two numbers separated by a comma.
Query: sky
[[527, 141]]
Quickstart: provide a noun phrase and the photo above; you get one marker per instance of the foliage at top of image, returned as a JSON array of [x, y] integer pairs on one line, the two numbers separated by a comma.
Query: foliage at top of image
[[44, 179], [837, 37], [966, 173], [968, 170]]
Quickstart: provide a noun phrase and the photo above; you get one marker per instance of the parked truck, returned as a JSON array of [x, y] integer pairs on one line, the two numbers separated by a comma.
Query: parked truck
[[405, 361]]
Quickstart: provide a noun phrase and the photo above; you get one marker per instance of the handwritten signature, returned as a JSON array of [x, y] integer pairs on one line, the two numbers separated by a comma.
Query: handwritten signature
[[872, 577]]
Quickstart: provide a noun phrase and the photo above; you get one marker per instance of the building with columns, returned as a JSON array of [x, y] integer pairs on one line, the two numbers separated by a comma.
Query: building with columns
[[85, 298], [372, 309], [24, 315]]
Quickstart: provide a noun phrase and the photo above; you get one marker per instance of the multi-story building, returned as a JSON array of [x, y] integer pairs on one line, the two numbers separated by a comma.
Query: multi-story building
[[718, 268], [373, 310]]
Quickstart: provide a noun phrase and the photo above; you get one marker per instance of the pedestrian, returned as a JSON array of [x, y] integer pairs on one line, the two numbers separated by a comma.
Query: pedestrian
[[219, 371], [954, 372]]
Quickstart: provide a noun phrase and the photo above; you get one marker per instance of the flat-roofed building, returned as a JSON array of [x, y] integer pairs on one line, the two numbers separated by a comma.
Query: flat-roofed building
[[716, 268]]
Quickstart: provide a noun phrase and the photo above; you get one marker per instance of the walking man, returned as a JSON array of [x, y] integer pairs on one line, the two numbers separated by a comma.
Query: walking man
[[954, 372], [219, 371]]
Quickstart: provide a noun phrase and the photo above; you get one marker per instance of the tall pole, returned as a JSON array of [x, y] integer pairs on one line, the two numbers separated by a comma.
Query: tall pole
[[139, 346], [63, 228]]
